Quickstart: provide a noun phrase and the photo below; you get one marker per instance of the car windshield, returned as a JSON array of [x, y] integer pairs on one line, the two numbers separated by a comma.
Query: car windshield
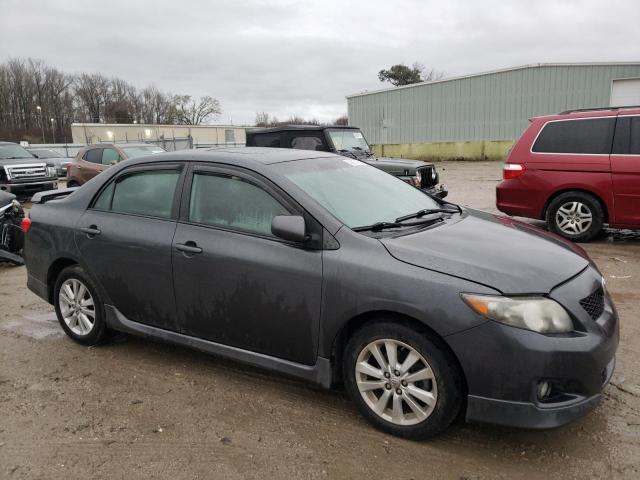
[[45, 153], [13, 151], [141, 150], [348, 139], [355, 193]]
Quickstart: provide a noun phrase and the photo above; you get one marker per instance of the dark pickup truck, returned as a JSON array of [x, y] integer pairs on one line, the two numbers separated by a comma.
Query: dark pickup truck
[[349, 142], [23, 174]]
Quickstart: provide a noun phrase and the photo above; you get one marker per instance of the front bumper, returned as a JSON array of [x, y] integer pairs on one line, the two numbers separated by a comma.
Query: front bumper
[[439, 191], [504, 365], [26, 188], [528, 414]]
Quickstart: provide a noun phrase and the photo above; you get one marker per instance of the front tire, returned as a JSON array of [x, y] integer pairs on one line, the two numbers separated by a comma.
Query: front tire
[[79, 308], [577, 216], [402, 381]]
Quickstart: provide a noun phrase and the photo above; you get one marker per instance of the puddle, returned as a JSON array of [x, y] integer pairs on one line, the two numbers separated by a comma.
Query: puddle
[[35, 325]]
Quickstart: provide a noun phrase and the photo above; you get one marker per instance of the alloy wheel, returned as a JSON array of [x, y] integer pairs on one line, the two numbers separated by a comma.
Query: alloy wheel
[[396, 382], [77, 306], [574, 218]]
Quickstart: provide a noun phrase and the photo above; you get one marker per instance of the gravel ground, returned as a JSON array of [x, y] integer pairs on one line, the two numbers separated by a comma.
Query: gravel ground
[[139, 409]]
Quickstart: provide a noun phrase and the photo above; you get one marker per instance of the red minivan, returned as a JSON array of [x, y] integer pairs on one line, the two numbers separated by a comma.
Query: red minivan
[[577, 170]]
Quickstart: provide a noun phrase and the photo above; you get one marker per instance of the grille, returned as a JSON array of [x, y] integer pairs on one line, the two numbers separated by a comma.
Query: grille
[[429, 177], [594, 304], [20, 172]]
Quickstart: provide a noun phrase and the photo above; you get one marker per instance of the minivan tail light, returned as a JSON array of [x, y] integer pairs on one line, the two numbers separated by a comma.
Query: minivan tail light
[[512, 170], [25, 224]]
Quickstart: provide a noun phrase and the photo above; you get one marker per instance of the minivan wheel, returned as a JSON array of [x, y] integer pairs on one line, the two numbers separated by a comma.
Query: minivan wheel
[[78, 307], [577, 216], [402, 381]]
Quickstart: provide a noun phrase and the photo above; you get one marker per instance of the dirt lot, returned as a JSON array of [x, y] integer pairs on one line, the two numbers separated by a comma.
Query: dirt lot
[[135, 409]]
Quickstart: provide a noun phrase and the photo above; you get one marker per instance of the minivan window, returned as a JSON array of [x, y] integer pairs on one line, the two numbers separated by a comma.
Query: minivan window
[[148, 193], [232, 202], [585, 136], [94, 155], [627, 137]]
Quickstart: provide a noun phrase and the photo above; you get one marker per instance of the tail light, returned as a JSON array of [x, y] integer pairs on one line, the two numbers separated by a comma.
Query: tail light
[[25, 224], [512, 170]]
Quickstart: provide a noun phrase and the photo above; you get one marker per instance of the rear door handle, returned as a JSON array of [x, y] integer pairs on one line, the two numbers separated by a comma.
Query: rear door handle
[[188, 247], [91, 231]]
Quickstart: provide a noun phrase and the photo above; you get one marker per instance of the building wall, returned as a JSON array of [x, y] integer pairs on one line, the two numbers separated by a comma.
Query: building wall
[[463, 117], [201, 134]]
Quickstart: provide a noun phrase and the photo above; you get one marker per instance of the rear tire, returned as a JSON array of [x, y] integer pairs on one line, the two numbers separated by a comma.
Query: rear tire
[[79, 308], [577, 216], [415, 392]]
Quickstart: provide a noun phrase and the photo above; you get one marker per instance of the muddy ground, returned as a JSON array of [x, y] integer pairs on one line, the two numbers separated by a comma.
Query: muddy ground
[[139, 409]]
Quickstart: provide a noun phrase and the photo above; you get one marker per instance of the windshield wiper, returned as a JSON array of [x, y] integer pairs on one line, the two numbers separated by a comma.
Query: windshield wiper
[[425, 211], [376, 227]]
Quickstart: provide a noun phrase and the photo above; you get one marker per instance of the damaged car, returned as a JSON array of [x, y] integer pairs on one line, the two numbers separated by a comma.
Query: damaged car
[[327, 269]]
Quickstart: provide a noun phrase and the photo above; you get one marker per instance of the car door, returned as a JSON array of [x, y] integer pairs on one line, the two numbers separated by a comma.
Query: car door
[[124, 239], [625, 170], [89, 165], [235, 282]]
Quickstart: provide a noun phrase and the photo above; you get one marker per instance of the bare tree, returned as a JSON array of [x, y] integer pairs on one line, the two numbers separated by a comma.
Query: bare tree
[[38, 102], [92, 93], [342, 120], [190, 111]]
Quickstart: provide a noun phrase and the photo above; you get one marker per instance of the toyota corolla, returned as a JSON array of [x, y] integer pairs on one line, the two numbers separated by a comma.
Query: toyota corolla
[[330, 270]]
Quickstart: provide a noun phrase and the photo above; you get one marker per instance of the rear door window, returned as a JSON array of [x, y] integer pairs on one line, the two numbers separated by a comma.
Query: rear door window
[[94, 155], [585, 136], [148, 192]]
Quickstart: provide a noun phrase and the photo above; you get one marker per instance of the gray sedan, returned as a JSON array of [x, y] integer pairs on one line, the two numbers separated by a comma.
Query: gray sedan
[[330, 270]]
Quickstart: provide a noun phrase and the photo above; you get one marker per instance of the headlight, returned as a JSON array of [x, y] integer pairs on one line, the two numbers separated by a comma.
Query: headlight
[[51, 171], [418, 177], [539, 314]]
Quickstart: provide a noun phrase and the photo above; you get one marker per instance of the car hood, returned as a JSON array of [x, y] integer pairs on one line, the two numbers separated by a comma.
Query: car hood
[[397, 164], [21, 161], [510, 256]]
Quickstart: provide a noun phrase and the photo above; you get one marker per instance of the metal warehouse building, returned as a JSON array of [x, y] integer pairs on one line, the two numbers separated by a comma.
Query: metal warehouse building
[[480, 116]]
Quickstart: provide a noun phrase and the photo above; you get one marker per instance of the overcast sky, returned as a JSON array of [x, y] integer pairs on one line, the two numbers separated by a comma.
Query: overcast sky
[[302, 57]]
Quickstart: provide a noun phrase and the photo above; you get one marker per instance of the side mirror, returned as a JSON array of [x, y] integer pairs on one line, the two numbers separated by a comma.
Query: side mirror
[[289, 227]]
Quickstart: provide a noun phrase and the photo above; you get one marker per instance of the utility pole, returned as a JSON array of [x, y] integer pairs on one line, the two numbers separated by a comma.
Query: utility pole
[[39, 108], [53, 129]]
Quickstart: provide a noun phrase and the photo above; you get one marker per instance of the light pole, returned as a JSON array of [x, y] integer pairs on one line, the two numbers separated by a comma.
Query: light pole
[[53, 129], [39, 108]]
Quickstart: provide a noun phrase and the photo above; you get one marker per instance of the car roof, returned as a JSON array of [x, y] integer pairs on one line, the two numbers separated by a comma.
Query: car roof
[[8, 143], [284, 128], [591, 113], [240, 156], [121, 145]]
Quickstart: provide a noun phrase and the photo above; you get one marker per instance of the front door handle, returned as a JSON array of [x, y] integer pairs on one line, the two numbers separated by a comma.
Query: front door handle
[[91, 231], [188, 247]]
